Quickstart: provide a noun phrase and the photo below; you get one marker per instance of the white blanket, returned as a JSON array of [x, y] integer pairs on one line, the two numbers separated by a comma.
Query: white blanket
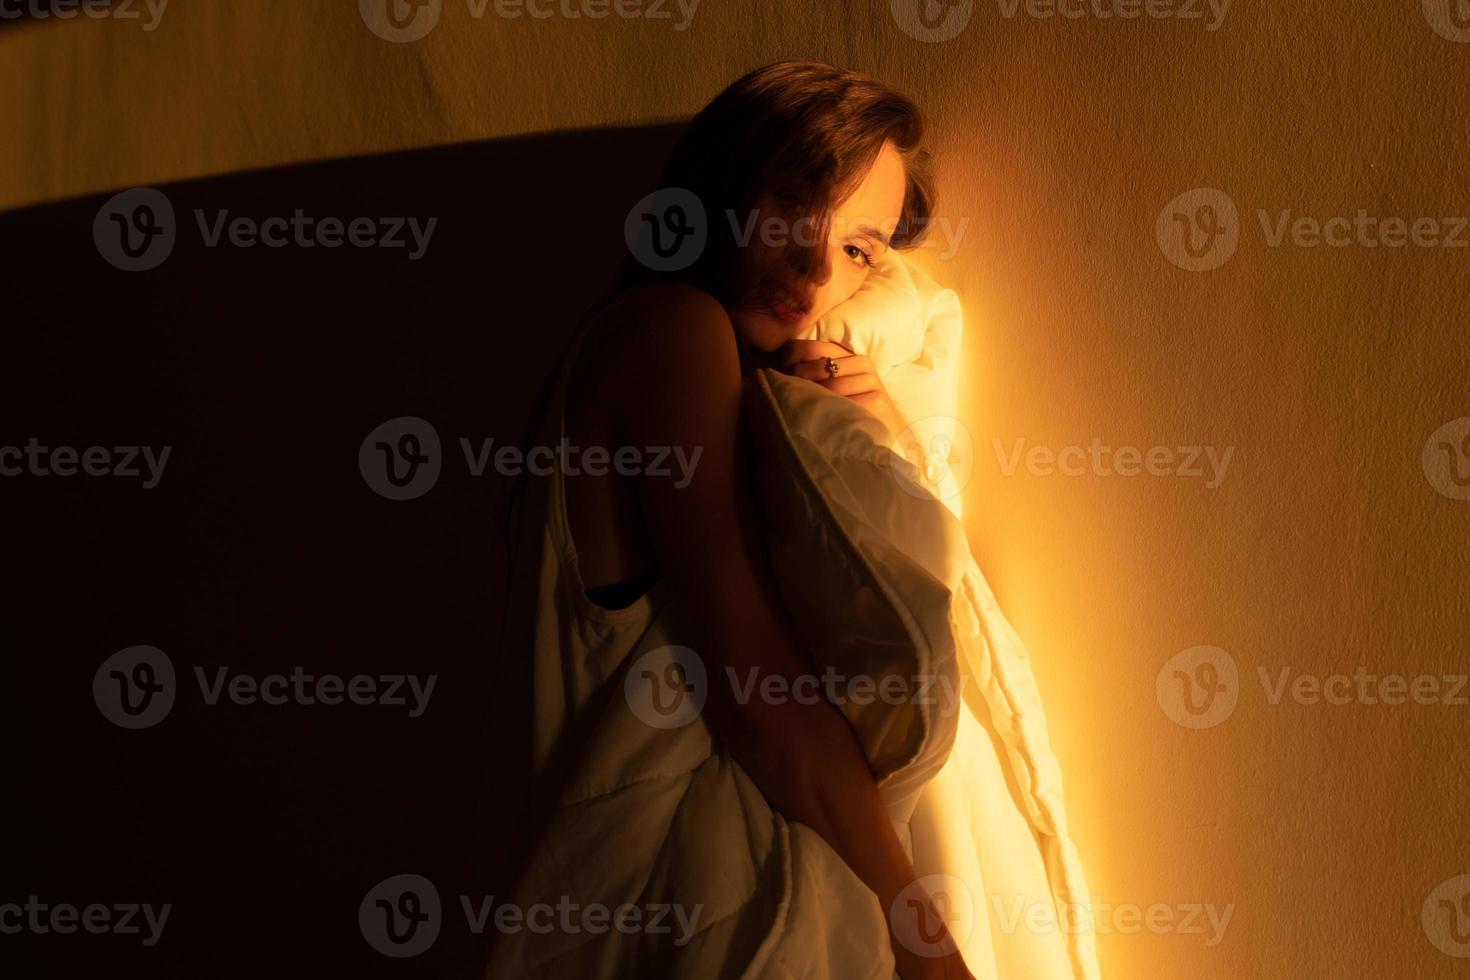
[[988, 831], [651, 817]]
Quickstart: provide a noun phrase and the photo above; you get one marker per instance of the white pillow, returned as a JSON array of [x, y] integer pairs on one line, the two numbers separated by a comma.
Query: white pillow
[[911, 328], [884, 319]]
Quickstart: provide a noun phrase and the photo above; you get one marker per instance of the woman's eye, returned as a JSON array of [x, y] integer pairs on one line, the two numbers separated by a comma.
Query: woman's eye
[[858, 255]]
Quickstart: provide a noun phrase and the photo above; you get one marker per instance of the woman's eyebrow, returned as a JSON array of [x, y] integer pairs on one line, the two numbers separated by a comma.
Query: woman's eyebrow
[[872, 232]]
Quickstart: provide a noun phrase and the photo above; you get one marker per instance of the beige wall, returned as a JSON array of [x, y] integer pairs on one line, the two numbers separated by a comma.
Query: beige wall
[[1325, 548]]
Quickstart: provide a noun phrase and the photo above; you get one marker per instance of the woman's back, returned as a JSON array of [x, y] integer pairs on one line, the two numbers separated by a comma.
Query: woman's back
[[604, 517]]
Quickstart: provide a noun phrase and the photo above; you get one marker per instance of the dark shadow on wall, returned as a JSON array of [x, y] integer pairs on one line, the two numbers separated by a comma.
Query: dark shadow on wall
[[262, 550]]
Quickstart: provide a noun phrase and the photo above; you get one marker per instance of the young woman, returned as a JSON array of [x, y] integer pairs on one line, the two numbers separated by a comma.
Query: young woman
[[834, 160]]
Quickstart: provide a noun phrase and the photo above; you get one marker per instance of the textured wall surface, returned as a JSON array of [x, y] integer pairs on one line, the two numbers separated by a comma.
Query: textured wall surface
[[1327, 546]]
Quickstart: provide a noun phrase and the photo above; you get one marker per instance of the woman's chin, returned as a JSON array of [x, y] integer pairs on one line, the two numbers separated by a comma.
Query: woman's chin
[[764, 332]]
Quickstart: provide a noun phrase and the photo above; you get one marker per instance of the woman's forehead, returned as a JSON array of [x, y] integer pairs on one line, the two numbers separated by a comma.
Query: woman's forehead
[[877, 201]]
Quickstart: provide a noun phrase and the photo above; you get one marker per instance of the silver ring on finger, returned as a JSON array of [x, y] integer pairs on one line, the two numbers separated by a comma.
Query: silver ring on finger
[[831, 368]]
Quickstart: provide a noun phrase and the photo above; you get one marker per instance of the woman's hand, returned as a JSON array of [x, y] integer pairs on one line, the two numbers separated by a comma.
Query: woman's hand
[[855, 377], [951, 967], [923, 960], [911, 966]]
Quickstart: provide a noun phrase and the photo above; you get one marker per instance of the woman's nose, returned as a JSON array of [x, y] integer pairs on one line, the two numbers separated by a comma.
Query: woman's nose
[[811, 264]]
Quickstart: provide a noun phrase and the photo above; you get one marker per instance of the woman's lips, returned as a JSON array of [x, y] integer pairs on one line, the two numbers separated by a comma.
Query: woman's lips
[[782, 304]]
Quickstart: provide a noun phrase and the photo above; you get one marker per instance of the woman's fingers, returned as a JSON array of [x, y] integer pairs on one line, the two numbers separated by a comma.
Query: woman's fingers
[[796, 351], [849, 365], [854, 379], [850, 385]]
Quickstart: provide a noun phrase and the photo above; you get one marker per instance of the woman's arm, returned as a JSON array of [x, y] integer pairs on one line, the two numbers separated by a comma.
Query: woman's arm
[[804, 757]]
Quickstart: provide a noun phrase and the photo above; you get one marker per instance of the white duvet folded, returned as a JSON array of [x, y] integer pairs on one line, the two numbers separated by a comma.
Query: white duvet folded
[[877, 573]]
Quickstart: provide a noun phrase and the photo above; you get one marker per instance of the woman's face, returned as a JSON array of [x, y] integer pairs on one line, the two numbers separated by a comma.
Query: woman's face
[[778, 302]]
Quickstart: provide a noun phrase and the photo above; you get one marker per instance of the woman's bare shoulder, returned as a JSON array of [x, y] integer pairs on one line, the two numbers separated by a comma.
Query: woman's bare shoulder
[[665, 327]]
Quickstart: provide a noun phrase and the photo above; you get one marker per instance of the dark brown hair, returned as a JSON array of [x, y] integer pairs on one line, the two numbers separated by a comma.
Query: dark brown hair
[[803, 133]]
